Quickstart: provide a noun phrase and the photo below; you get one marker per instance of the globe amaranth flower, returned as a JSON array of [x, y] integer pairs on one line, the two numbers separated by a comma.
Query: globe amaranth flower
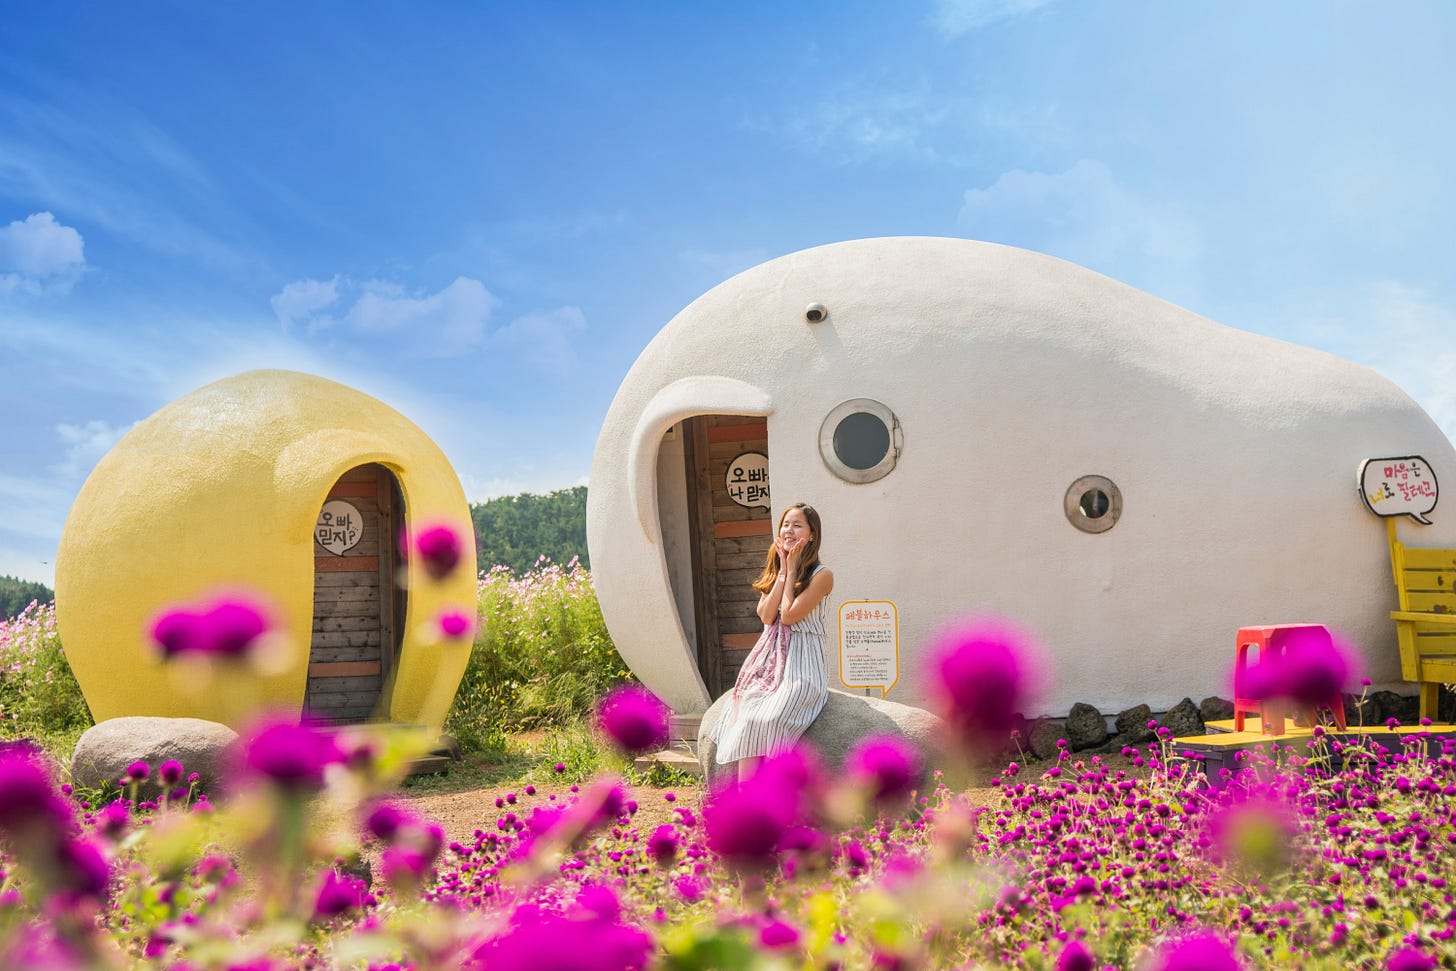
[[137, 772], [81, 870], [287, 755], [1076, 956], [338, 895], [749, 823], [224, 626], [1311, 667], [662, 845], [386, 821], [1199, 951], [1410, 959], [980, 676], [886, 767], [170, 773], [633, 719], [438, 548], [455, 623], [776, 935], [586, 935], [29, 801]]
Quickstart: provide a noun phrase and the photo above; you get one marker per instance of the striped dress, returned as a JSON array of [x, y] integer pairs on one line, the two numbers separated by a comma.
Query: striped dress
[[760, 720]]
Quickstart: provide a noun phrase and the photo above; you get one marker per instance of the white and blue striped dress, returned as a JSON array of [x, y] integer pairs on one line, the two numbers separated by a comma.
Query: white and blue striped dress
[[759, 722]]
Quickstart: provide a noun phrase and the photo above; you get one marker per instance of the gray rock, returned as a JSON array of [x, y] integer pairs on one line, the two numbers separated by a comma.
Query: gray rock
[[1215, 709], [1044, 737], [103, 753], [845, 721], [1086, 727], [1133, 723], [1122, 740], [1182, 719]]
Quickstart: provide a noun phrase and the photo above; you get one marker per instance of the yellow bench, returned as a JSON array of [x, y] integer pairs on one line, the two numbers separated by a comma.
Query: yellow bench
[[1425, 624]]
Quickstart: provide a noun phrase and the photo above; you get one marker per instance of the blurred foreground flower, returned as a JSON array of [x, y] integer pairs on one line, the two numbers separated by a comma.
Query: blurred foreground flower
[[1199, 951], [1312, 668], [588, 935], [454, 623], [750, 823], [287, 755], [887, 767], [634, 719], [439, 549], [981, 675], [225, 626]]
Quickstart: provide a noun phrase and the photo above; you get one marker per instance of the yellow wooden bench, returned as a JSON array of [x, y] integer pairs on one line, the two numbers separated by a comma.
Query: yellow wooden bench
[[1425, 624]]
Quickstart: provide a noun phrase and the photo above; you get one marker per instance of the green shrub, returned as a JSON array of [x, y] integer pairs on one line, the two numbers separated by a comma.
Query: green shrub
[[39, 696], [542, 656]]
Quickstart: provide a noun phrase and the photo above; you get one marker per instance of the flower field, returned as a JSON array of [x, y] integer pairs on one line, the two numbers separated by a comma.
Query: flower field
[[1339, 856]]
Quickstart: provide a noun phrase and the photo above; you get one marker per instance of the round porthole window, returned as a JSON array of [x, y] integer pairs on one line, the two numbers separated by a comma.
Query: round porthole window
[[1093, 503], [860, 440]]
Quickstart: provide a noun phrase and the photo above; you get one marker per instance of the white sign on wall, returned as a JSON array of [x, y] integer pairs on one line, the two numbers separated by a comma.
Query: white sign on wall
[[747, 480], [869, 644], [339, 528], [1403, 486]]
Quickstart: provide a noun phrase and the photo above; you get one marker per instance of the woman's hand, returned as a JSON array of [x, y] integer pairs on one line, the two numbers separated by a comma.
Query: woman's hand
[[790, 552]]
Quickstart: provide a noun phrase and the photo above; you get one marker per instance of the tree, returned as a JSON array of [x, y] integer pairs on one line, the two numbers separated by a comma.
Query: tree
[[515, 531], [16, 594]]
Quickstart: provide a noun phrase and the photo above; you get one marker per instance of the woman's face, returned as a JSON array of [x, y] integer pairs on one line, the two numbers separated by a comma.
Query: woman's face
[[795, 528]]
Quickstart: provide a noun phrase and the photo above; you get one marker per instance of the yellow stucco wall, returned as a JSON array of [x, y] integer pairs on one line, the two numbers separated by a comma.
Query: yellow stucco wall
[[222, 488]]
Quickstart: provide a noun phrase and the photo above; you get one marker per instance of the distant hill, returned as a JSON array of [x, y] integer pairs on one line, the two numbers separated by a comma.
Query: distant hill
[[515, 531], [16, 594]]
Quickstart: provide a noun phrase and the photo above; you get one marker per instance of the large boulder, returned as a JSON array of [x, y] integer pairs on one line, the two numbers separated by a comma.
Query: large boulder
[[845, 721], [106, 749]]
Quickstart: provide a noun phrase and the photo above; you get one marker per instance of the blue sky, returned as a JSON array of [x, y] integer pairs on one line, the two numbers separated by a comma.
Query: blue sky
[[482, 212]]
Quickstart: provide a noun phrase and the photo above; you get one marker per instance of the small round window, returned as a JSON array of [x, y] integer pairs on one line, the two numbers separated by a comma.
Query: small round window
[[859, 440], [1093, 503]]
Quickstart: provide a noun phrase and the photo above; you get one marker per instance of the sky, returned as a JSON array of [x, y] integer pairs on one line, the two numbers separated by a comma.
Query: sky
[[481, 213]]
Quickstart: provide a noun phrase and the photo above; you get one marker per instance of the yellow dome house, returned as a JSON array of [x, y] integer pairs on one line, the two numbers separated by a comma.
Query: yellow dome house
[[293, 488]]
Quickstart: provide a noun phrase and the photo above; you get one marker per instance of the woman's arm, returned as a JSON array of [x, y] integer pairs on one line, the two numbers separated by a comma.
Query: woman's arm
[[792, 609], [768, 603]]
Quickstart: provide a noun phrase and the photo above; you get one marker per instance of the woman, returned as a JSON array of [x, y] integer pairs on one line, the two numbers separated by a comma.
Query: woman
[[783, 684]]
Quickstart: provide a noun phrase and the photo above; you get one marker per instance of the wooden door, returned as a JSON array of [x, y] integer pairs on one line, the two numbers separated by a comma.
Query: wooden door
[[729, 542], [358, 610]]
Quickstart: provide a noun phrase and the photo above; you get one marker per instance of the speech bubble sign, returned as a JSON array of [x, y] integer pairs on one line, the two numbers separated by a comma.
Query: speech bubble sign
[[1400, 486], [869, 644]]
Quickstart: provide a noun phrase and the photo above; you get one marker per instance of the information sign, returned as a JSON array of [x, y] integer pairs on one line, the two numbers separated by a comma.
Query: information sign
[[869, 644]]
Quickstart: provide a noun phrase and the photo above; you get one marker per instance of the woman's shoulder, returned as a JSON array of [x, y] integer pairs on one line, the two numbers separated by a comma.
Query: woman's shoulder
[[821, 568]]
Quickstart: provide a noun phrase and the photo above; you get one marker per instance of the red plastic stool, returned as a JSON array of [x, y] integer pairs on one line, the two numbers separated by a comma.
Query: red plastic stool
[[1270, 640]]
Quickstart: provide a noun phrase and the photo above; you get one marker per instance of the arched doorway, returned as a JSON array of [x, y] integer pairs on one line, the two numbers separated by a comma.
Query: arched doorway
[[358, 608]]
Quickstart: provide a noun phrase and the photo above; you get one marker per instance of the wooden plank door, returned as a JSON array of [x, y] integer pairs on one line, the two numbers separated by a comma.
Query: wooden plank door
[[729, 543], [357, 609]]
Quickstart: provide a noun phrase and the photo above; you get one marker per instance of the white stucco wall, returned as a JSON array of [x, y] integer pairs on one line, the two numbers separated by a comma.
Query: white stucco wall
[[1012, 374], [672, 504]]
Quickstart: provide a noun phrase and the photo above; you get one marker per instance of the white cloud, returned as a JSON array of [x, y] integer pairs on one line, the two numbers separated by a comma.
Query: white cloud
[[877, 123], [1085, 215], [301, 301], [86, 444], [545, 340], [955, 17], [443, 322], [40, 255]]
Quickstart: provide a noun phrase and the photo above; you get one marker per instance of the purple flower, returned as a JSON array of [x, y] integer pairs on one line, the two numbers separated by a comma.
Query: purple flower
[[777, 935], [81, 869], [170, 773], [137, 772], [980, 673], [290, 756], [749, 823], [338, 895], [227, 626], [29, 802], [1075, 957], [439, 549], [662, 845], [887, 766], [113, 821], [1410, 959], [385, 821], [1199, 951], [404, 867], [1311, 668], [634, 719], [587, 935], [455, 623]]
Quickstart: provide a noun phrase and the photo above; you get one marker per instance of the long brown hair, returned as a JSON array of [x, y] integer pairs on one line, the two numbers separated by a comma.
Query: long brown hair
[[808, 560]]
